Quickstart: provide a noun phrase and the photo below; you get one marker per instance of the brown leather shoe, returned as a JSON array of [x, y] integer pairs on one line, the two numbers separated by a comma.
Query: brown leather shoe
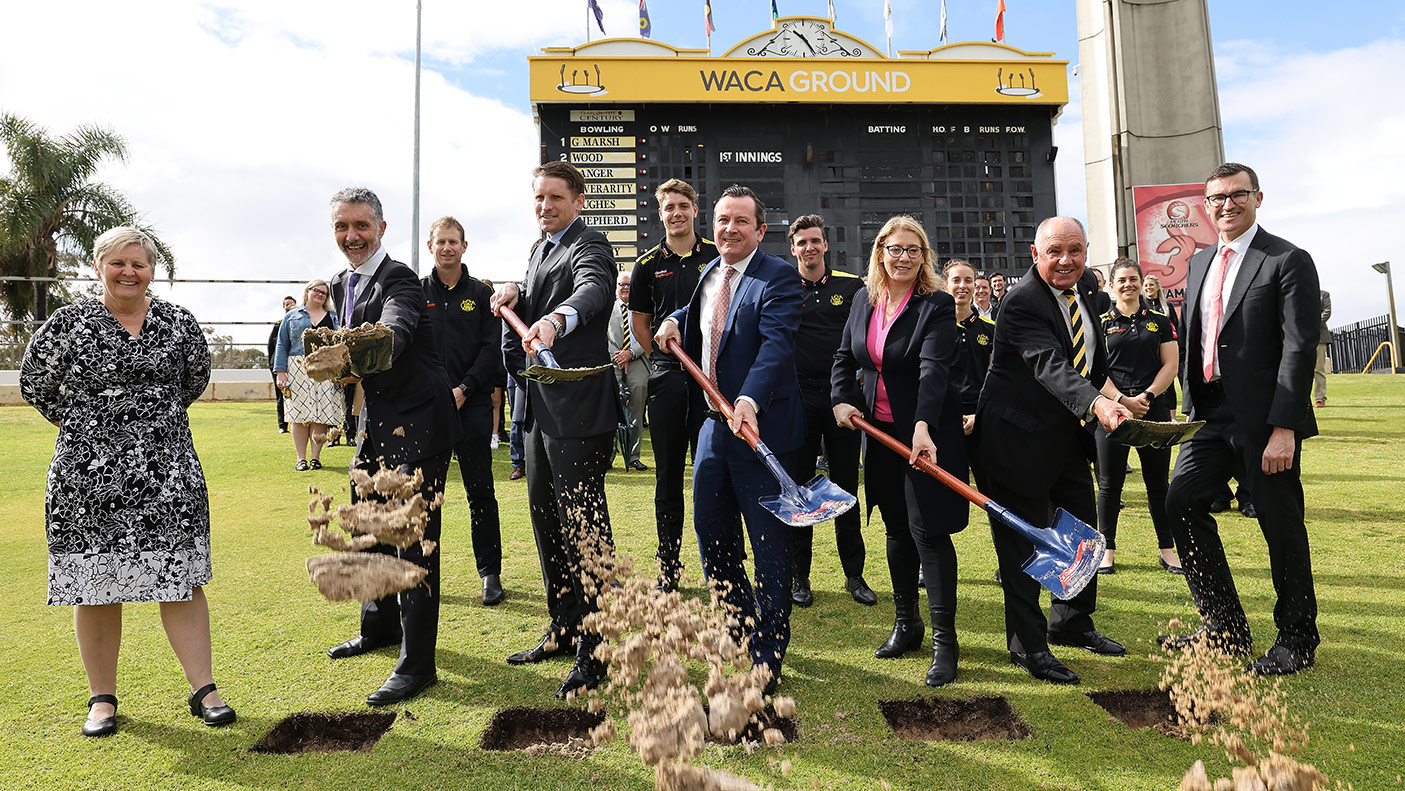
[[517, 474]]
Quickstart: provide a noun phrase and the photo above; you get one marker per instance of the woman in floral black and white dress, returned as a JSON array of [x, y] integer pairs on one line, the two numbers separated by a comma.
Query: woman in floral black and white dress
[[126, 510]]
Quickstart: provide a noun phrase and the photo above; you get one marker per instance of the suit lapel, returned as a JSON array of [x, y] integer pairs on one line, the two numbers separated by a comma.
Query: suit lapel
[[860, 349], [1194, 281], [1254, 258]]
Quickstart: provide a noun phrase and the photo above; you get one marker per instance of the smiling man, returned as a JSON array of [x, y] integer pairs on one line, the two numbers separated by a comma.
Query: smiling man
[[408, 423], [1251, 316], [1047, 376]]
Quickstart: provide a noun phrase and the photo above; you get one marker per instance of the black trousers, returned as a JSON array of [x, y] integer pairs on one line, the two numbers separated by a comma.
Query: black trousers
[[1026, 629], [566, 496], [278, 396], [413, 615], [668, 430], [1112, 474], [889, 486], [1205, 463], [841, 451], [476, 469]]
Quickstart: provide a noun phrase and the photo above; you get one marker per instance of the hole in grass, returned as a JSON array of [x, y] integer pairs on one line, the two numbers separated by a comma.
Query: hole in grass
[[981, 718], [563, 732], [1142, 708], [766, 718], [325, 732]]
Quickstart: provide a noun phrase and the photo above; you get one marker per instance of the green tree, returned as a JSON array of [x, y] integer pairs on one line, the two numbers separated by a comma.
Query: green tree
[[50, 208]]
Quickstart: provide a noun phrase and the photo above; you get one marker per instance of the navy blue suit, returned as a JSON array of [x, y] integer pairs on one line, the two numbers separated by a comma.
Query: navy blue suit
[[756, 358]]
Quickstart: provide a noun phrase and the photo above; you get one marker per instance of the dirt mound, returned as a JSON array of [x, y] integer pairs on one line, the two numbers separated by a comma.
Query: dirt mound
[[982, 718]]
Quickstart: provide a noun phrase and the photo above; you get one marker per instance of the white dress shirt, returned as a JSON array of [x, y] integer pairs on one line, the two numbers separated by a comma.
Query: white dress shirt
[[1237, 249], [707, 296], [1088, 332], [367, 270]]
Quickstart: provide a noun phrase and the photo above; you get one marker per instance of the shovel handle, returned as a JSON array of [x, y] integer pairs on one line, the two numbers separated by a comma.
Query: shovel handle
[[538, 348], [676, 349], [951, 481]]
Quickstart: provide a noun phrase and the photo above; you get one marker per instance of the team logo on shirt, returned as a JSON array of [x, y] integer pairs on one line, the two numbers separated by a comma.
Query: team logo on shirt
[[701, 267], [836, 300], [983, 339], [1151, 326], [467, 305]]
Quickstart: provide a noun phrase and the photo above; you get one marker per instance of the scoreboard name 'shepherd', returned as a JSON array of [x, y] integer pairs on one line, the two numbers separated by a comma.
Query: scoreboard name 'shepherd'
[[805, 81]]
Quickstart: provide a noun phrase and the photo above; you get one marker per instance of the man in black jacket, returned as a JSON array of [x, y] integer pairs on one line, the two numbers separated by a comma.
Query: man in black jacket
[[409, 423], [467, 336], [1047, 379], [288, 304], [565, 300]]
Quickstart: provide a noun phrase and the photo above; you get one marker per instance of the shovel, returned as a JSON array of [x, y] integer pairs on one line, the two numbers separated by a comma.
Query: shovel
[[818, 501], [548, 371], [1066, 555]]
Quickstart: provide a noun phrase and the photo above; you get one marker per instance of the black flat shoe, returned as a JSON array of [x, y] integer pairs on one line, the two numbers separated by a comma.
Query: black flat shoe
[[1219, 642], [801, 595], [103, 727], [315, 464], [492, 590], [400, 687], [301, 466], [1091, 640], [1043, 666], [585, 675], [1105, 570], [213, 716], [1170, 568], [554, 642], [358, 645], [859, 589], [1281, 661]]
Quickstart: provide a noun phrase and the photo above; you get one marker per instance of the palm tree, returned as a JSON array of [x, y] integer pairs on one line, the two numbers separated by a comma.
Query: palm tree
[[49, 206]]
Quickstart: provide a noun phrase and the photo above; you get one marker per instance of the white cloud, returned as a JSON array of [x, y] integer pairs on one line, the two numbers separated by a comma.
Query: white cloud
[[1068, 166]]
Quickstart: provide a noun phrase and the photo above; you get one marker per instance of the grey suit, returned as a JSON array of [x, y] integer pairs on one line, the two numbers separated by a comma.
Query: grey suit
[[637, 378], [1319, 371]]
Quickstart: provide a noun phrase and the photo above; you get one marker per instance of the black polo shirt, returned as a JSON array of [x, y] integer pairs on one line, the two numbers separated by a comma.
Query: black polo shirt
[[467, 336], [1134, 347], [975, 338], [663, 281], [823, 314]]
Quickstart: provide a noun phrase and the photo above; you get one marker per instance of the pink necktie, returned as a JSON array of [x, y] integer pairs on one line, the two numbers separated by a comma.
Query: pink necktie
[[1211, 333], [719, 319]]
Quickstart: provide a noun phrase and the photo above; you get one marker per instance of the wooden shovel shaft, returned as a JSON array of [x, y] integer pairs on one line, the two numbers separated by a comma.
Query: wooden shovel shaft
[[951, 481], [518, 327], [708, 387]]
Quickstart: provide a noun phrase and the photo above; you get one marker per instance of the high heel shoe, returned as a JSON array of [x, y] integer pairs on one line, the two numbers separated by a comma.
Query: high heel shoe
[[103, 727], [1170, 568], [210, 715]]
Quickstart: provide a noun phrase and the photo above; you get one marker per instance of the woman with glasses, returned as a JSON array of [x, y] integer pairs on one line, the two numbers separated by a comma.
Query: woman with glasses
[[901, 334], [311, 406]]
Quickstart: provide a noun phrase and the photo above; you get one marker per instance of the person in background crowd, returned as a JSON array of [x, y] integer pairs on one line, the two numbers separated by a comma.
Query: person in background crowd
[[1104, 299], [1142, 362], [1156, 300], [288, 304], [312, 406], [665, 277], [997, 288], [980, 299], [901, 334], [498, 398], [975, 335], [1252, 317], [467, 338], [126, 510], [631, 370], [1319, 371], [828, 297]]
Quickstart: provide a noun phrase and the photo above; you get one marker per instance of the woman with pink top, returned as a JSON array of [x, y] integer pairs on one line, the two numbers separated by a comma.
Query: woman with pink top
[[901, 335]]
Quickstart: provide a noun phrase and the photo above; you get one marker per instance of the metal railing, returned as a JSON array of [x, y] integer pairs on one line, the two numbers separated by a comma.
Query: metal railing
[[1354, 346]]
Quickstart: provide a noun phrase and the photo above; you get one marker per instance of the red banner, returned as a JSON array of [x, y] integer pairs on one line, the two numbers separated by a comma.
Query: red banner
[[1172, 224]]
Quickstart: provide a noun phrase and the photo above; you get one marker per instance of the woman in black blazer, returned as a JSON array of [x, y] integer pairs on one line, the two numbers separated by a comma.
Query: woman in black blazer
[[901, 334]]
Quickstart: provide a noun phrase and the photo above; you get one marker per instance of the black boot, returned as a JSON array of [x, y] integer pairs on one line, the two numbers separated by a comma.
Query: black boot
[[944, 650], [907, 629]]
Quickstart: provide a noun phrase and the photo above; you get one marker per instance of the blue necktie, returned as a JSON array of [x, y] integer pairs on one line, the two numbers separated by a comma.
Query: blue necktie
[[350, 297]]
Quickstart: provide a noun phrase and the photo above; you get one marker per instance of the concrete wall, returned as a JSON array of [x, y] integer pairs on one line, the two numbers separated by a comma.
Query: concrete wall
[[229, 386]]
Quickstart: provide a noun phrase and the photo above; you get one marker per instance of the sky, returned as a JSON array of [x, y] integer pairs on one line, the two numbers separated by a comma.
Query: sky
[[244, 116]]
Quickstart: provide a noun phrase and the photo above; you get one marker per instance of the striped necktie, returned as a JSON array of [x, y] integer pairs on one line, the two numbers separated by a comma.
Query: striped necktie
[[624, 321], [1080, 347]]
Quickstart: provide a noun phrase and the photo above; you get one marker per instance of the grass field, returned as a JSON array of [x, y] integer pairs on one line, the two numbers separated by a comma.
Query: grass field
[[271, 631]]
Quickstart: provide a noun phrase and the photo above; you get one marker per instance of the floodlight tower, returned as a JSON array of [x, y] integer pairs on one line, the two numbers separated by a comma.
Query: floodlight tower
[[1394, 335]]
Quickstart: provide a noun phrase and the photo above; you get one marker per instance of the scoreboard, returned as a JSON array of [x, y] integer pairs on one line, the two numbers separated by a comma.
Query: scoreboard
[[963, 144]]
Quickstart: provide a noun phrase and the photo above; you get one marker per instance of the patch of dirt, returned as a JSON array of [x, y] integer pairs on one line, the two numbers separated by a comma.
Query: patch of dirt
[[1142, 708], [325, 732], [982, 718], [563, 732], [756, 728]]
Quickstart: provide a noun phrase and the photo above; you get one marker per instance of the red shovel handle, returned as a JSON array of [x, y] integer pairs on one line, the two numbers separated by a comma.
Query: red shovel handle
[[676, 349], [951, 481]]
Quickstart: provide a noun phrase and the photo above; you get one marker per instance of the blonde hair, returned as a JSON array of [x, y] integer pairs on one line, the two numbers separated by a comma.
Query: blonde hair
[[329, 303], [116, 239], [877, 278]]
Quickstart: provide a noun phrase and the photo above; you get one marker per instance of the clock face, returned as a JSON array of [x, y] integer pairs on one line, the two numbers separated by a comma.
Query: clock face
[[804, 38]]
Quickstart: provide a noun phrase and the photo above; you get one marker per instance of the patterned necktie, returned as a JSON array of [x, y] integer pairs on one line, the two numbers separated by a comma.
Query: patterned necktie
[[720, 305], [1080, 347], [624, 322], [1210, 335], [350, 296]]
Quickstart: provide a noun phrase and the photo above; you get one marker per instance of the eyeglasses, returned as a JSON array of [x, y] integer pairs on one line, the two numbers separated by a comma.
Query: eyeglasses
[[319, 292], [1240, 197], [898, 252]]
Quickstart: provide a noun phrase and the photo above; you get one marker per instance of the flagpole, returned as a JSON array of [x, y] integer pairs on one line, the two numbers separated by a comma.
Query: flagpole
[[587, 23]]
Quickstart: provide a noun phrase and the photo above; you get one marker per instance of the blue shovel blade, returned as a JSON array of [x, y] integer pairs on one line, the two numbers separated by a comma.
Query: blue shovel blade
[[818, 501], [1066, 555]]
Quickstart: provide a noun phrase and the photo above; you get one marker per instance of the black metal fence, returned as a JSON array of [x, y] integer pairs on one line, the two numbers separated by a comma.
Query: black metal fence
[[1353, 345]]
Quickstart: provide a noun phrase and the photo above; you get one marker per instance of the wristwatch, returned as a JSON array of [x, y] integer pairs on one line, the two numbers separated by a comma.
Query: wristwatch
[[560, 328]]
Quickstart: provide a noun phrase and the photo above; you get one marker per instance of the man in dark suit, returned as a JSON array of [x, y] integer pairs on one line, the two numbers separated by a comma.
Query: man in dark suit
[[468, 339], [408, 422], [1251, 316], [740, 328], [1047, 379], [565, 298], [288, 304]]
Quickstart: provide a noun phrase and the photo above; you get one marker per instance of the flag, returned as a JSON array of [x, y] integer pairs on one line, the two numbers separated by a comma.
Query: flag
[[1000, 21], [943, 36], [775, 14], [599, 15], [707, 18], [888, 23], [645, 28], [831, 11]]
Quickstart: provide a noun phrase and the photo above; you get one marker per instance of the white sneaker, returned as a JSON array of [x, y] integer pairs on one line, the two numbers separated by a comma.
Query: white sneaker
[[493, 442]]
